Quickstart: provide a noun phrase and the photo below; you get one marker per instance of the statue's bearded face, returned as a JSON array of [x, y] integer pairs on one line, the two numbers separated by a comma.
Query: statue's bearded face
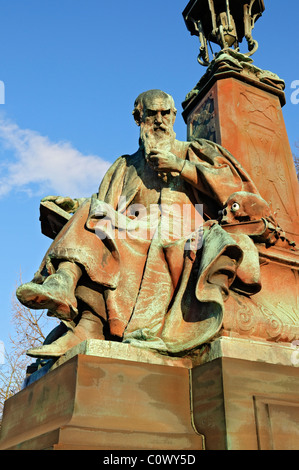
[[156, 126]]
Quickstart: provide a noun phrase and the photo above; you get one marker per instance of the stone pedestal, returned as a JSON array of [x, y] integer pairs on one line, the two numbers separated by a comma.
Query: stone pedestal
[[246, 397], [234, 394], [242, 111], [239, 106], [95, 401]]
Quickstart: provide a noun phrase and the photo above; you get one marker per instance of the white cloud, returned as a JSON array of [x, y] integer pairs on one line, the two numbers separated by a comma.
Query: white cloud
[[37, 165]]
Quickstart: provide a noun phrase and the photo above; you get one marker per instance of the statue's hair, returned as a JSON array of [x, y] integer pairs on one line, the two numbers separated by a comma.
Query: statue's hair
[[146, 96]]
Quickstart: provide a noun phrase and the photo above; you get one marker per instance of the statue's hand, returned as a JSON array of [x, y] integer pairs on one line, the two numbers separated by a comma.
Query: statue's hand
[[66, 203], [164, 161]]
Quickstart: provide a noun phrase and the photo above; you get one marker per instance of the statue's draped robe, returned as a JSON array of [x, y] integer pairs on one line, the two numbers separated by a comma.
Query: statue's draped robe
[[155, 287]]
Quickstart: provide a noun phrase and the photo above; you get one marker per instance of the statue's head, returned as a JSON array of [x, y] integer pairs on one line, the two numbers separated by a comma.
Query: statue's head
[[150, 102], [155, 113]]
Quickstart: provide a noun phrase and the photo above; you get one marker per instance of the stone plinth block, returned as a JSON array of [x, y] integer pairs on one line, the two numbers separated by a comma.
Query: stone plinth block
[[94, 402], [246, 395], [232, 394], [247, 404]]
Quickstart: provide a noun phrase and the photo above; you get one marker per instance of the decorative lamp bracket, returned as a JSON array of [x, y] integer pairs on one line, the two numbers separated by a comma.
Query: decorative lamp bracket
[[223, 22]]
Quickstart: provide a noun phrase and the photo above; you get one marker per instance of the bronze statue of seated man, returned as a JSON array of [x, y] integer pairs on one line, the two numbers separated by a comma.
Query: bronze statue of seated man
[[144, 260]]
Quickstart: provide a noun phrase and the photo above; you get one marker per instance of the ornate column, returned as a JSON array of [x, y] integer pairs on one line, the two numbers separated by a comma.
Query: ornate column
[[239, 106], [244, 391]]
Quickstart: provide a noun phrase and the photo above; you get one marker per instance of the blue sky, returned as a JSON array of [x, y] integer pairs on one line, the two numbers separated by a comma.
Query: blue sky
[[72, 69]]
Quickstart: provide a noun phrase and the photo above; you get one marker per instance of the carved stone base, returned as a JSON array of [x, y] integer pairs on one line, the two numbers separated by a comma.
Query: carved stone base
[[239, 394], [273, 313], [103, 403], [246, 397], [239, 106]]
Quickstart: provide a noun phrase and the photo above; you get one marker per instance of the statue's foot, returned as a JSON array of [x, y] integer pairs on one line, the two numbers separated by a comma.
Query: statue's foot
[[90, 326], [57, 348], [56, 294]]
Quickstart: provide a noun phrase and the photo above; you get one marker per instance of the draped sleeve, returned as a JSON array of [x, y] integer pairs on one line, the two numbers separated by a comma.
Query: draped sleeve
[[111, 185], [213, 171]]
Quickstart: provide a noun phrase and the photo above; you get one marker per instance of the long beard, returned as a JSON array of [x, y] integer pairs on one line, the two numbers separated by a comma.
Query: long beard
[[161, 138]]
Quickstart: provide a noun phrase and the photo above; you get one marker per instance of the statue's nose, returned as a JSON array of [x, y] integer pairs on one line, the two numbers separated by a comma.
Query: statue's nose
[[158, 118]]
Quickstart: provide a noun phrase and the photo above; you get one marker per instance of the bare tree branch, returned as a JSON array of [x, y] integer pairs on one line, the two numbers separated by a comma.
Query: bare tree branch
[[29, 331]]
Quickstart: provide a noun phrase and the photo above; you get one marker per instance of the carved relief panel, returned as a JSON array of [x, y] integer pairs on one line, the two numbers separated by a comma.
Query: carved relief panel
[[248, 121], [202, 120]]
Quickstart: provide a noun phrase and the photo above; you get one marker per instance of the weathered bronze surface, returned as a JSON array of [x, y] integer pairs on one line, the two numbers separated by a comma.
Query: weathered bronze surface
[[209, 297], [160, 279]]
